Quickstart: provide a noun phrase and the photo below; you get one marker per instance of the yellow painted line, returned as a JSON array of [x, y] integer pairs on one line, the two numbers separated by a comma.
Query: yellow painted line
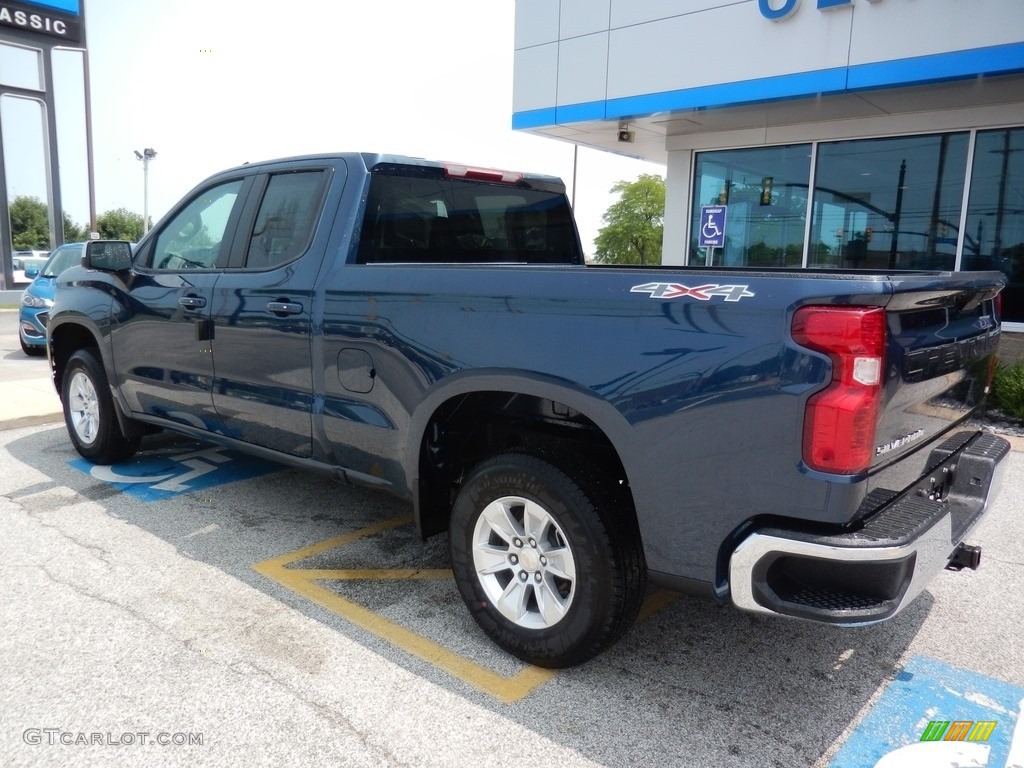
[[339, 541], [655, 602], [507, 689], [372, 574]]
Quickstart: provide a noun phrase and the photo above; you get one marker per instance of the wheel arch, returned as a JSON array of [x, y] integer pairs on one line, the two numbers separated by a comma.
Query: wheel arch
[[476, 415], [66, 338]]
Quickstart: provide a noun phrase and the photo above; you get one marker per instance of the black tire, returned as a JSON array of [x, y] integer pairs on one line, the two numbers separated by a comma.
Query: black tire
[[89, 411], [31, 351], [545, 619]]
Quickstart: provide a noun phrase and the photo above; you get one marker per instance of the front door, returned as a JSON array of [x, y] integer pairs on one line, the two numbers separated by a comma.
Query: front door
[[161, 342]]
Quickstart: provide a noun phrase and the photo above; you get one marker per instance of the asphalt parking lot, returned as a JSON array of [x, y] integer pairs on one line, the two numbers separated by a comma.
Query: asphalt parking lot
[[254, 615]]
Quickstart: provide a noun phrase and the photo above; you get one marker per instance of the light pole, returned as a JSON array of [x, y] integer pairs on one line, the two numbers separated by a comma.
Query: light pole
[[145, 156]]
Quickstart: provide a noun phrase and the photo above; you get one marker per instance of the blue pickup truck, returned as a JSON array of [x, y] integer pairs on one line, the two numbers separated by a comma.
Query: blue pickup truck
[[794, 442]]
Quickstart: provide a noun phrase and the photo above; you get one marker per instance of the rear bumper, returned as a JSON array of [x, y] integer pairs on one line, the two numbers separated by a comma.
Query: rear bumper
[[870, 573]]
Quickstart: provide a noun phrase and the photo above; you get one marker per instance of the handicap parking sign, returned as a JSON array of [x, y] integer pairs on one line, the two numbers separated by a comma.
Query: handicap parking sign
[[712, 226]]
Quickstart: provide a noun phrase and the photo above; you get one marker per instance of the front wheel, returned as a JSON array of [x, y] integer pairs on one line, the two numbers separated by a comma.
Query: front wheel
[[550, 566], [89, 412]]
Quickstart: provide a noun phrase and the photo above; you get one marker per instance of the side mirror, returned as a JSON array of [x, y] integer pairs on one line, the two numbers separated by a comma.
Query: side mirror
[[108, 255], [32, 273]]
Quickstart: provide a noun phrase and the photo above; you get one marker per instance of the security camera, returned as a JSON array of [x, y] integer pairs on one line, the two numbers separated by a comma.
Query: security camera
[[626, 135]]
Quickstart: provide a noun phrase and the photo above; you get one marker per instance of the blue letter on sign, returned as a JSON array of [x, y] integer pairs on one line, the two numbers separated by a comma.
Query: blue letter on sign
[[831, 5], [787, 9]]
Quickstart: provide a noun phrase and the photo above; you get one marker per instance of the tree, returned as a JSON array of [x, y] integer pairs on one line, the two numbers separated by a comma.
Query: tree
[[120, 224], [634, 223], [72, 232], [30, 226]]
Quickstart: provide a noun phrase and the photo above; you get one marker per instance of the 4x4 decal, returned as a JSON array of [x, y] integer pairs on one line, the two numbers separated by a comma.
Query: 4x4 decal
[[700, 292]]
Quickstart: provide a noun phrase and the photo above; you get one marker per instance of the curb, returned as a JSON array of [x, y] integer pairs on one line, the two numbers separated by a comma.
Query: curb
[[31, 421]]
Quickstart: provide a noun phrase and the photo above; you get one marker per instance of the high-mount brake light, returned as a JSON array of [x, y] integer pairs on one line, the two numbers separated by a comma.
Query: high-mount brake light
[[840, 421], [452, 171]]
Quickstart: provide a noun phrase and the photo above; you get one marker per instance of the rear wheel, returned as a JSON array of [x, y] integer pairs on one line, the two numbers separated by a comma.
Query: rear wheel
[[550, 566], [89, 411]]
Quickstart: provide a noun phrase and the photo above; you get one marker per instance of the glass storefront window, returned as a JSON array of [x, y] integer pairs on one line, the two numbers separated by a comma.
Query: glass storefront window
[[21, 67], [995, 214], [765, 189], [878, 204], [890, 203]]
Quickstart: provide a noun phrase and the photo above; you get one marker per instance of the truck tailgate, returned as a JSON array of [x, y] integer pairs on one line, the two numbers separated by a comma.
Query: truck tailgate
[[939, 358]]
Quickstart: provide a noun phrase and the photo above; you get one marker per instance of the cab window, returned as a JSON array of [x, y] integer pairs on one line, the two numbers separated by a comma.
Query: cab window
[[287, 216], [417, 215], [195, 237]]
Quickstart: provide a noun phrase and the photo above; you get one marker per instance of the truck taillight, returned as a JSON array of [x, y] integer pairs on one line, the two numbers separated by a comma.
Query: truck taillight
[[840, 421]]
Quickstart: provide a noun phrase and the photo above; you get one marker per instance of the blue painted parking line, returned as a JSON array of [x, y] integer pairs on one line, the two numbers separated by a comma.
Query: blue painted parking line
[[159, 476], [937, 715]]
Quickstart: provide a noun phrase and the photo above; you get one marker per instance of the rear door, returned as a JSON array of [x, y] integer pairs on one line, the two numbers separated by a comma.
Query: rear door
[[262, 311]]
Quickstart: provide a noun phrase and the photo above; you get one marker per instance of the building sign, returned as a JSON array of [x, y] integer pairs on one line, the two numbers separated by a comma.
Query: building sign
[[54, 18], [777, 10]]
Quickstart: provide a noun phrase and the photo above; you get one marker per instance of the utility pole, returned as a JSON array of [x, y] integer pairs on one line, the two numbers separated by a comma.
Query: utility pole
[[145, 156]]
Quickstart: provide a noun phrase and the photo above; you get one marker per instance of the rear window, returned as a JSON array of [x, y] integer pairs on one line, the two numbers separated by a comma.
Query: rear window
[[416, 215]]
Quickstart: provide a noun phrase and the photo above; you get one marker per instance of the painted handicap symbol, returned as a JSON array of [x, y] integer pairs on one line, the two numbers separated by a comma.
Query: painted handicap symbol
[[171, 482], [937, 754], [934, 715], [161, 475]]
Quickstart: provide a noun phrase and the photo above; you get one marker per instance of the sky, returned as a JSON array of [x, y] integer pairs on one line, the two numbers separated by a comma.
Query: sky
[[213, 84]]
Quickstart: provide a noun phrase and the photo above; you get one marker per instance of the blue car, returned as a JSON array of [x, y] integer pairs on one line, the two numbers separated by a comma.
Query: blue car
[[38, 297]]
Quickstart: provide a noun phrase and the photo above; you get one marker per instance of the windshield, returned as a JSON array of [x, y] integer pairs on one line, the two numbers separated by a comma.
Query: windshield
[[64, 257]]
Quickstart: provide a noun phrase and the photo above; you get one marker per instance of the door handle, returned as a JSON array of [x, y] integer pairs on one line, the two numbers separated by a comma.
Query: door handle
[[192, 302], [282, 308]]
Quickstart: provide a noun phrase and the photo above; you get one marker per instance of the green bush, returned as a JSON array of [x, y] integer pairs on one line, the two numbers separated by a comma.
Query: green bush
[[1008, 390]]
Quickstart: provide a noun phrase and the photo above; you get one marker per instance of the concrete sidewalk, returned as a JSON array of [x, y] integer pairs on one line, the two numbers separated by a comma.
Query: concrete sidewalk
[[27, 395]]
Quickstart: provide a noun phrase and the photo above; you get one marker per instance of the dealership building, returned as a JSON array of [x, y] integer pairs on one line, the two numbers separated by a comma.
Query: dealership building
[[836, 134]]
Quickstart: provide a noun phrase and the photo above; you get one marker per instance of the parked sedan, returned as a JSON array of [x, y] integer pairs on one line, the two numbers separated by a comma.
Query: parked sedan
[[20, 257], [38, 298]]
